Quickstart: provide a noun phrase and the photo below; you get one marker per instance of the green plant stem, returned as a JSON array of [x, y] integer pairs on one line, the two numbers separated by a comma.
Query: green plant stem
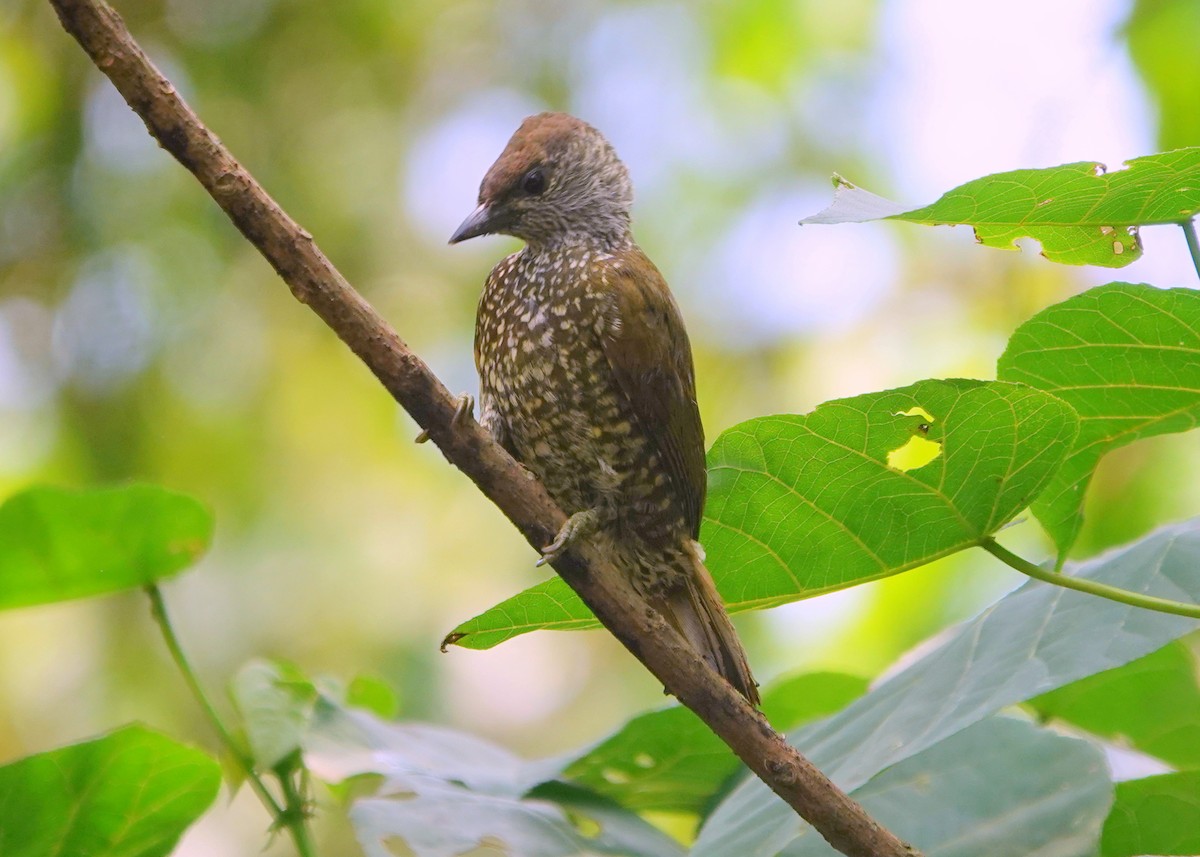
[[282, 817], [1189, 231], [1079, 584], [296, 811]]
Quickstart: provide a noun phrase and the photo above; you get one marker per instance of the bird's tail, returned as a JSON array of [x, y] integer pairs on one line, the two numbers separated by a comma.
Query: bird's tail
[[696, 611]]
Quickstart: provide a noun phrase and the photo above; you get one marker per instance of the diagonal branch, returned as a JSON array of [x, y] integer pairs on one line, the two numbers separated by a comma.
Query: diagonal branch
[[314, 281]]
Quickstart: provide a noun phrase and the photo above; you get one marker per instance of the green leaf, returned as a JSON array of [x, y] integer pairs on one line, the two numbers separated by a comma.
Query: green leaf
[[1157, 815], [549, 605], [1127, 359], [57, 544], [341, 742], [445, 793], [668, 760], [275, 701], [1001, 788], [130, 793], [799, 506], [1033, 640], [442, 820], [1079, 213], [803, 505], [1162, 35], [1152, 704], [374, 694]]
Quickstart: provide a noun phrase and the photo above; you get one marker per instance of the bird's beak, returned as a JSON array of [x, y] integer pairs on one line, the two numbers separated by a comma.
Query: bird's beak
[[484, 220]]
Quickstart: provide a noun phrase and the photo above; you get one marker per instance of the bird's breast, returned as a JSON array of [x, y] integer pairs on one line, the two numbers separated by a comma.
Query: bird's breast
[[543, 367]]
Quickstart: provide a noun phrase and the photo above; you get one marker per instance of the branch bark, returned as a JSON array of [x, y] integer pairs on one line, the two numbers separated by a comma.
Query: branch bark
[[314, 281]]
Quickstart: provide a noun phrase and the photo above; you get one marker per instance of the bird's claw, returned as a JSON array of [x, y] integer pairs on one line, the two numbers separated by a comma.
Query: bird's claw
[[463, 409], [579, 524]]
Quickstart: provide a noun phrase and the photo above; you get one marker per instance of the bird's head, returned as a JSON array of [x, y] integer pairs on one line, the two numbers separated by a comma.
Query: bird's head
[[558, 179]]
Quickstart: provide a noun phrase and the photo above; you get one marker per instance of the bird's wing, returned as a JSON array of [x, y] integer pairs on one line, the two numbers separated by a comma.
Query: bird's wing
[[647, 347]]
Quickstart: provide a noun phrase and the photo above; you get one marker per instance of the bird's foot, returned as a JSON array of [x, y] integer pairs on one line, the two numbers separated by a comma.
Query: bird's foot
[[578, 525], [462, 411]]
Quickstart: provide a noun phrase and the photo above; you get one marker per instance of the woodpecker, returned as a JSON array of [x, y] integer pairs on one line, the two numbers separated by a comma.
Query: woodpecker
[[586, 374]]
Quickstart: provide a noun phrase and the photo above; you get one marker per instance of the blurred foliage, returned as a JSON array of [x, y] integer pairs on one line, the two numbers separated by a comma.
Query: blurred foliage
[[1162, 36], [141, 338]]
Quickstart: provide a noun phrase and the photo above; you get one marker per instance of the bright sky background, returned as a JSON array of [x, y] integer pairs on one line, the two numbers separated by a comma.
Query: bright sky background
[[965, 89]]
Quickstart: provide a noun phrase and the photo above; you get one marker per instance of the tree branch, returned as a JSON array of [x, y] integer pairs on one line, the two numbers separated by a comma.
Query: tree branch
[[314, 281]]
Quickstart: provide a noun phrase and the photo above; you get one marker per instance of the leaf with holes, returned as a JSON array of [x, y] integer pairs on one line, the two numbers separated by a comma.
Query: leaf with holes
[[1127, 359], [130, 793], [669, 761], [1081, 214], [803, 505], [446, 793], [57, 544]]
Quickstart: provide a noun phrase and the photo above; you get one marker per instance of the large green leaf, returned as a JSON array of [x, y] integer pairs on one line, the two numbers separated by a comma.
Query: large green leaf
[[803, 505], [57, 544], [1000, 788], [1033, 640], [1157, 815], [445, 793], [130, 793], [668, 760], [1079, 213], [1152, 704], [1127, 359]]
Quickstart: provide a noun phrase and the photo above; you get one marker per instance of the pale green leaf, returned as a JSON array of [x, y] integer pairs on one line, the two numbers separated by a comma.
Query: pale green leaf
[[445, 793], [853, 204], [1033, 640], [1000, 788], [442, 820], [275, 701]]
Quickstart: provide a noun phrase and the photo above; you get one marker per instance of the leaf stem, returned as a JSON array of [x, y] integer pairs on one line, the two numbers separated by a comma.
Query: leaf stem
[[282, 817], [1189, 231], [1079, 584], [296, 812]]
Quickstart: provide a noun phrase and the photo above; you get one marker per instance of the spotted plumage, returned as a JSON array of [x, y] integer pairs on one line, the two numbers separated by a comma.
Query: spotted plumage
[[586, 373]]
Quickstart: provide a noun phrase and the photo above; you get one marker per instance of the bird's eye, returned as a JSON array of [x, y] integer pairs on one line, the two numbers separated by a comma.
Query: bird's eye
[[534, 182]]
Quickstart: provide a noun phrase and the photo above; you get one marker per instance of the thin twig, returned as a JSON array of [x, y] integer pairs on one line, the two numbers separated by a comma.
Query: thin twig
[[1080, 584], [283, 817], [314, 281], [1189, 232]]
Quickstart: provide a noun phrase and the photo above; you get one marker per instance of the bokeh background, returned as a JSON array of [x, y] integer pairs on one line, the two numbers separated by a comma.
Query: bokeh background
[[142, 338]]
